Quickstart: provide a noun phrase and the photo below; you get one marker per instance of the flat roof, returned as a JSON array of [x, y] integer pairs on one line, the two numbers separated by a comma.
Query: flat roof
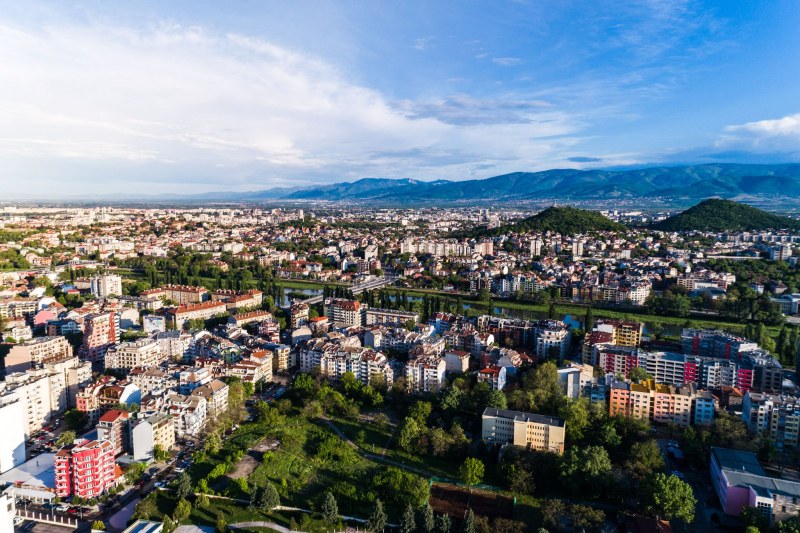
[[737, 461], [145, 526], [39, 471], [524, 417]]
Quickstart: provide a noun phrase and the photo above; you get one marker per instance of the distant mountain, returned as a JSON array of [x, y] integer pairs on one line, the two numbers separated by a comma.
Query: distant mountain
[[565, 220], [686, 182], [725, 215]]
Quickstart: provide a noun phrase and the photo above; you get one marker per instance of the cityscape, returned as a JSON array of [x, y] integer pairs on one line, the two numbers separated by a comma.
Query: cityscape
[[364, 267]]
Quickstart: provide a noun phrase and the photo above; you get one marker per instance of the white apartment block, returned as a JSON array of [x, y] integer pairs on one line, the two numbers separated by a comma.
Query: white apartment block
[[129, 355], [12, 438], [106, 285], [425, 374]]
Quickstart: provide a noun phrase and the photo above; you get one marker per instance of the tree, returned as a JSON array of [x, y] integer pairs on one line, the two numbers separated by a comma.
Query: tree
[[545, 395], [408, 434], [427, 519], [443, 523], [638, 374], [76, 420], [469, 523], [588, 320], [669, 497], [330, 509], [213, 443], [408, 522], [377, 520], [728, 430], [182, 510], [471, 471], [790, 525], [159, 453], [183, 486], [66, 438], [222, 525], [576, 414], [584, 517], [552, 512], [644, 459], [506, 525], [134, 472], [585, 467], [99, 525], [146, 508], [202, 501], [268, 498]]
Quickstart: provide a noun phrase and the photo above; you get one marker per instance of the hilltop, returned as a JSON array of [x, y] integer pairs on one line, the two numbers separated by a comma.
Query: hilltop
[[716, 214], [564, 220]]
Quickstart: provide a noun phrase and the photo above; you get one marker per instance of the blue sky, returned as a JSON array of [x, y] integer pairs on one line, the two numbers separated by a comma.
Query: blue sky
[[109, 97]]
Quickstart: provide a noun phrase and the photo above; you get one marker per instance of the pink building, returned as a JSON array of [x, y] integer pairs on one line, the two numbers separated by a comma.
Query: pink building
[[85, 469]]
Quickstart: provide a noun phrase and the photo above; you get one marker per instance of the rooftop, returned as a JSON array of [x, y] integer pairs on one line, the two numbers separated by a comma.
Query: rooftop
[[524, 417]]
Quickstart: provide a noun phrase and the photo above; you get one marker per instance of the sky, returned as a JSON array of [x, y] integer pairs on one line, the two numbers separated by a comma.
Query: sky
[[153, 97]]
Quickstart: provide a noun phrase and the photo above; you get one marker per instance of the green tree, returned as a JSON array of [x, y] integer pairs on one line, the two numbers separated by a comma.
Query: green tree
[[427, 519], [183, 486], [76, 420], [669, 497], [408, 434], [330, 509], [268, 498], [408, 522], [588, 320], [443, 523], [134, 472], [790, 525], [222, 525], [99, 525], [146, 508], [182, 510], [638, 374], [585, 467], [576, 414], [644, 459], [471, 472], [545, 395], [377, 520], [160, 454], [469, 523], [66, 438]]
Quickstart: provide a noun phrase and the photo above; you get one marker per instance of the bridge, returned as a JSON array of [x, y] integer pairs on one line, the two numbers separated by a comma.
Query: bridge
[[358, 289]]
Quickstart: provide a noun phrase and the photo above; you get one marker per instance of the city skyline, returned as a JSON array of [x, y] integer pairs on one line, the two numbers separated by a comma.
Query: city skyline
[[194, 98]]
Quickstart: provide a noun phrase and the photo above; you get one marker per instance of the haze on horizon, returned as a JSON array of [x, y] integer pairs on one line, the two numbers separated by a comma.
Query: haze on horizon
[[190, 97]]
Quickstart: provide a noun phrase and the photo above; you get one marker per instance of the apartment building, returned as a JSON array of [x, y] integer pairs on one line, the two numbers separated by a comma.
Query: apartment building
[[623, 332], [86, 469], [456, 361], [425, 373], [106, 285], [774, 416], [526, 430], [152, 379], [180, 294], [389, 317], [740, 482], [12, 437], [182, 314], [113, 427], [36, 352], [100, 334], [189, 414], [128, 355], [340, 310], [298, 315], [574, 378], [665, 404], [216, 395], [494, 376], [148, 431], [242, 319], [715, 343]]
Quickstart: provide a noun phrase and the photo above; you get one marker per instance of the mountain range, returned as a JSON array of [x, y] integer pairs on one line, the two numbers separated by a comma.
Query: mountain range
[[688, 182], [685, 184]]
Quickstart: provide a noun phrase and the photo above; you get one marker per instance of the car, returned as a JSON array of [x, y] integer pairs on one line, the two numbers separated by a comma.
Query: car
[[159, 484], [72, 510]]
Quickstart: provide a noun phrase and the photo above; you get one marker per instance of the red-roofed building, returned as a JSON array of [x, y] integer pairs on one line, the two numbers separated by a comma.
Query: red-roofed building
[[112, 427], [494, 376]]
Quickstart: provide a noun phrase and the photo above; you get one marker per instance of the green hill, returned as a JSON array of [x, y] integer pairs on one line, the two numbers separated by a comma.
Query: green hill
[[725, 215], [564, 220]]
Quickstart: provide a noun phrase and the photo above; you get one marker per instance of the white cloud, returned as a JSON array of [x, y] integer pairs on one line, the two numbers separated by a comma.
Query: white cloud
[[786, 126], [96, 106], [506, 61]]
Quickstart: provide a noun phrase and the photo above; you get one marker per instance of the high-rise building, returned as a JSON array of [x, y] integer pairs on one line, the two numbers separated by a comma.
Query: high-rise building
[[106, 285], [85, 468], [100, 334], [12, 437]]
